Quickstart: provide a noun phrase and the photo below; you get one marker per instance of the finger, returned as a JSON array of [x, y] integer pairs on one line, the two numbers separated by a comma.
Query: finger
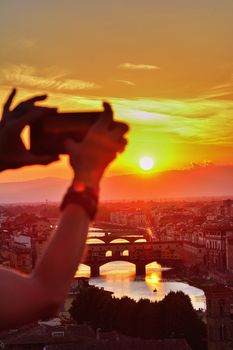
[[23, 106], [108, 114], [44, 109], [109, 157], [118, 145], [105, 119], [107, 107], [122, 144], [119, 129], [36, 99], [8, 102]]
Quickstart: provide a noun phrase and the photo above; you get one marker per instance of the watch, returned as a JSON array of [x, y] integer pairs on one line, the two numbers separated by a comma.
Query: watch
[[82, 195]]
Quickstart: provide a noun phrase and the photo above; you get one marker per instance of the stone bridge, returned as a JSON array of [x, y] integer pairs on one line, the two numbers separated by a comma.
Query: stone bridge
[[108, 234], [109, 238], [140, 254]]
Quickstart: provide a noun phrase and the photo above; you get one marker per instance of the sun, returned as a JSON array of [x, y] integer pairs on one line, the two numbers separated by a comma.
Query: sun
[[146, 163]]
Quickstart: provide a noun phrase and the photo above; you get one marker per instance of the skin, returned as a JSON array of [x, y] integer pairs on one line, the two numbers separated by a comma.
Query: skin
[[27, 298], [13, 154]]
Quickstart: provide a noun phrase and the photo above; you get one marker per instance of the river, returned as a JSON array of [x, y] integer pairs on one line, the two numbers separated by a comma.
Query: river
[[119, 277]]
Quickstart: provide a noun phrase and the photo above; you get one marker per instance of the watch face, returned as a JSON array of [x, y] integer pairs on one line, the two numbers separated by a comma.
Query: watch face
[[79, 187], [82, 187]]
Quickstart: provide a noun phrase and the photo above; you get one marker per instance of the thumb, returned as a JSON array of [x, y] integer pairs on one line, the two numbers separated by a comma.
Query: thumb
[[105, 119], [8, 102], [107, 107]]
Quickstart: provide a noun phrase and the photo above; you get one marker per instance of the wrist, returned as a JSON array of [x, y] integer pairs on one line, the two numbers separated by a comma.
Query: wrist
[[83, 196]]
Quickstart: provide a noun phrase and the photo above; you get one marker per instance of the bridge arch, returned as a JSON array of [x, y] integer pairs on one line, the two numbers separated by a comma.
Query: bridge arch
[[118, 267], [108, 253], [119, 240], [125, 252], [94, 240], [83, 271], [153, 265], [140, 240]]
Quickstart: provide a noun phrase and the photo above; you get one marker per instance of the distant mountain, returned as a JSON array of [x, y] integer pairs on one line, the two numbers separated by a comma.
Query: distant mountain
[[38, 190], [195, 182]]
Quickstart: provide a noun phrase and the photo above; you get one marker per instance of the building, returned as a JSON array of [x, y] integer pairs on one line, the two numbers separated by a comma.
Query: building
[[20, 253], [216, 240], [82, 337], [227, 208], [193, 254], [219, 317], [229, 254], [20, 258]]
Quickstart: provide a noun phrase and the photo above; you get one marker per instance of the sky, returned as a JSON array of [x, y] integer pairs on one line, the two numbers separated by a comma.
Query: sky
[[166, 67]]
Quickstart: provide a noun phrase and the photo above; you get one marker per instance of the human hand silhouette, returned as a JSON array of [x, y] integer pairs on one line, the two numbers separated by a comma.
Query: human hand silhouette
[[13, 153], [99, 148]]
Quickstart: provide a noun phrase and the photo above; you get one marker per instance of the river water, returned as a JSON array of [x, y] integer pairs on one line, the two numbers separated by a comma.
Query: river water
[[119, 277]]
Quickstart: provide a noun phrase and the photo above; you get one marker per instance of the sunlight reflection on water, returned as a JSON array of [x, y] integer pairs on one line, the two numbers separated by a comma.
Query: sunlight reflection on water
[[119, 277]]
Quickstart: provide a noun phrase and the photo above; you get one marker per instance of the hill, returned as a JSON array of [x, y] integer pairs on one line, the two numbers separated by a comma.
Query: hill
[[195, 182]]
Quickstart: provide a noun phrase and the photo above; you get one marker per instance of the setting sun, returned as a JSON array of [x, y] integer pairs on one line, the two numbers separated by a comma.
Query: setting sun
[[146, 163]]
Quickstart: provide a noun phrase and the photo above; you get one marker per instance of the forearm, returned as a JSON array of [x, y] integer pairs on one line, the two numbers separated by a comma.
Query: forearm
[[23, 298], [60, 260]]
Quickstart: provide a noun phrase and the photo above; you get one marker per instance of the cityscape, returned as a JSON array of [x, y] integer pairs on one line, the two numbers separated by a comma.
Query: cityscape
[[169, 246]]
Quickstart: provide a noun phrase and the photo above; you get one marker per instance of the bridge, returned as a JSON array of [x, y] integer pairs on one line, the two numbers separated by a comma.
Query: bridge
[[108, 233], [140, 254]]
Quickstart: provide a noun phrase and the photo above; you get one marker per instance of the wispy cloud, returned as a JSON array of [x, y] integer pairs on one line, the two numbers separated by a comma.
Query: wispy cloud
[[220, 91], [125, 82], [27, 77], [141, 66], [201, 120], [183, 121]]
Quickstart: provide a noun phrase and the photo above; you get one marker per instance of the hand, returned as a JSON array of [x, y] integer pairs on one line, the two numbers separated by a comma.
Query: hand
[[13, 153], [104, 140]]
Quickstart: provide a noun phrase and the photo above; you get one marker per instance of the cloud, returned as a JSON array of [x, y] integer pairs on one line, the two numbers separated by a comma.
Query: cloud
[[133, 66], [27, 77], [202, 164], [126, 82], [201, 121], [221, 91]]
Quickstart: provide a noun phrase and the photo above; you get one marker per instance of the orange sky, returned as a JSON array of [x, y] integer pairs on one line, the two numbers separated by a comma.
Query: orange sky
[[167, 68]]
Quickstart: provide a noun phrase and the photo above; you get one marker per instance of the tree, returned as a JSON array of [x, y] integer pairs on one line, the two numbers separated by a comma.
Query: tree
[[173, 317]]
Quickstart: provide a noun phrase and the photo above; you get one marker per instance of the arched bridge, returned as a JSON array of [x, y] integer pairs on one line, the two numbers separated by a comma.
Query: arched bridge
[[108, 238], [109, 234], [141, 254]]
